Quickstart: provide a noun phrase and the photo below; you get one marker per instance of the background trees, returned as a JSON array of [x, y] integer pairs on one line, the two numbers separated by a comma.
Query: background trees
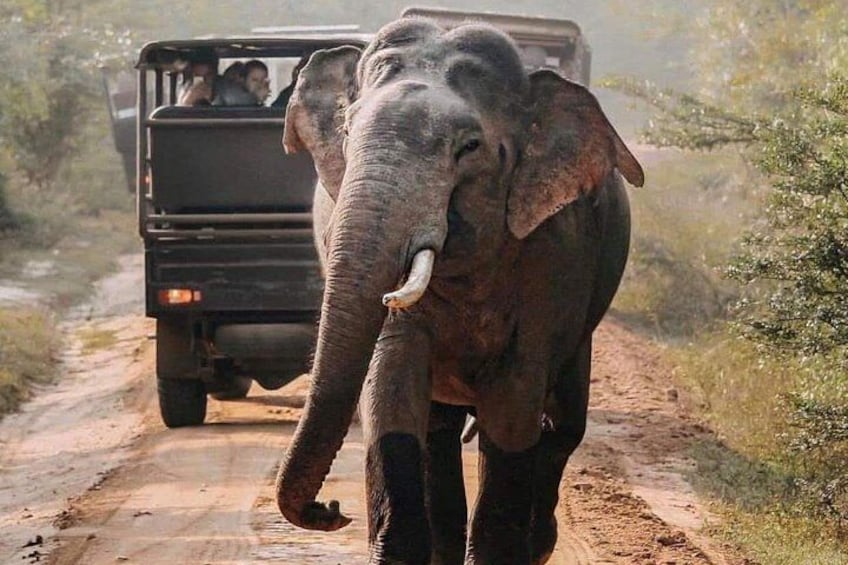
[[50, 53]]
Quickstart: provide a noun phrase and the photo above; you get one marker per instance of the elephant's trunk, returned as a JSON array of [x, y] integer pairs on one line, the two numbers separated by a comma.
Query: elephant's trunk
[[363, 264]]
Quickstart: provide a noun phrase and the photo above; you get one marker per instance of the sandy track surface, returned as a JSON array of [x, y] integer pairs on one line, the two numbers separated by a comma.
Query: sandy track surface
[[89, 467]]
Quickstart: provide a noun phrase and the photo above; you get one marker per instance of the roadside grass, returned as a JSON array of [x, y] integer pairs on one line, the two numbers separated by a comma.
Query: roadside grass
[[736, 390], [29, 343], [751, 471], [761, 509], [68, 236], [96, 339], [775, 538], [686, 222]]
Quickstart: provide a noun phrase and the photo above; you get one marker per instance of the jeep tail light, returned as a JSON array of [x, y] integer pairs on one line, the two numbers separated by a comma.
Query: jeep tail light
[[179, 296]]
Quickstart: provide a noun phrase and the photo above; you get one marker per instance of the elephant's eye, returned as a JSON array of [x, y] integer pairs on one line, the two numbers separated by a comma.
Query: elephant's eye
[[470, 147]]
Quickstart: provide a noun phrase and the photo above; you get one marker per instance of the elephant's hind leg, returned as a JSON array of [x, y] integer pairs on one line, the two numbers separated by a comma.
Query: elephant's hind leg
[[447, 506], [556, 445]]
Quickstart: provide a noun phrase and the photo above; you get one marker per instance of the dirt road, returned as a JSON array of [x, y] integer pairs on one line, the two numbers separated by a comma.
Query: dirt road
[[89, 468]]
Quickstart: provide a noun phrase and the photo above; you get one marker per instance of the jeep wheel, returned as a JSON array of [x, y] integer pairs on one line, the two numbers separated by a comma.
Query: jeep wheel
[[182, 396], [182, 402], [174, 356]]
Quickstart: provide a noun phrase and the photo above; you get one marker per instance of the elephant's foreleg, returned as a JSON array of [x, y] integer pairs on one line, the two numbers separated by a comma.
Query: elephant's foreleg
[[558, 442], [395, 409], [500, 528], [445, 488]]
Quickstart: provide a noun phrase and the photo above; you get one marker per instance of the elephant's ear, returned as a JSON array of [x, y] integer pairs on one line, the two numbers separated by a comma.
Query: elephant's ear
[[326, 86], [570, 149]]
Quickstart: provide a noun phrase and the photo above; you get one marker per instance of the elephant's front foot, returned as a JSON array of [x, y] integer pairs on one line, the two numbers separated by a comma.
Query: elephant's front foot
[[397, 523], [543, 540], [500, 529]]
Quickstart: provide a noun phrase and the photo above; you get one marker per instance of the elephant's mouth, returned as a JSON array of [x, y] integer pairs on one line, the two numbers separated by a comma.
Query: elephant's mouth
[[416, 282]]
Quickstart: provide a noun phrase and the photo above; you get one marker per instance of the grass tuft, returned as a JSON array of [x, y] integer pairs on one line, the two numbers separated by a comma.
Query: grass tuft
[[29, 343], [95, 339]]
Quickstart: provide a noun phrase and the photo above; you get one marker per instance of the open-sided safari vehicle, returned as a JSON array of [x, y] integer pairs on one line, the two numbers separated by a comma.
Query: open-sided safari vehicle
[[544, 43], [232, 275]]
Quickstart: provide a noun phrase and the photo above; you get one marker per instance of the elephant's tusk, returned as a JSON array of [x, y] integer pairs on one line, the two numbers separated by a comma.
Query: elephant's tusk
[[470, 430], [416, 284]]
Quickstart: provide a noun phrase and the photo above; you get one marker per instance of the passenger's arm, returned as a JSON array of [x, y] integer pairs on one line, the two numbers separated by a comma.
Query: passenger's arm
[[197, 93]]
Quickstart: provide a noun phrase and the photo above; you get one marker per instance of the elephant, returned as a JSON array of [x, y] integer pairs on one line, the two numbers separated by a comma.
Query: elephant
[[473, 227]]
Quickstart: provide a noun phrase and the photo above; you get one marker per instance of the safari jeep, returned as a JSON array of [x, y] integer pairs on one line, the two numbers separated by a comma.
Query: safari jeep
[[232, 276], [544, 43]]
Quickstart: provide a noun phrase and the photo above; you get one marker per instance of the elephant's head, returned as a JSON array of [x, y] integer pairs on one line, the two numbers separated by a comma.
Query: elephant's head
[[431, 143]]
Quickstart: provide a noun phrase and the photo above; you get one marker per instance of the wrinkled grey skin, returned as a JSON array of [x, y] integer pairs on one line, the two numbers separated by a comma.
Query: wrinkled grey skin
[[440, 140]]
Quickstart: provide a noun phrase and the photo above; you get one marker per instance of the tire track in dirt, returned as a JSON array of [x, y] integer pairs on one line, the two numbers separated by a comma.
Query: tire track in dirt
[[625, 495], [187, 495]]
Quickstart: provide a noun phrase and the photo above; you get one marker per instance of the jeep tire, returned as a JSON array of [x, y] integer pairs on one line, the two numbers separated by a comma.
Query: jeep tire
[[182, 395]]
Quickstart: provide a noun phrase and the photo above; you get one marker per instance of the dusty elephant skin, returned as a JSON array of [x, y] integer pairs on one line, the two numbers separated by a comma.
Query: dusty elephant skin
[[440, 141]]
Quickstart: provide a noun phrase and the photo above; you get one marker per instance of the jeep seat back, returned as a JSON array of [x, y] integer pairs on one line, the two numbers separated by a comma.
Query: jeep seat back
[[209, 158]]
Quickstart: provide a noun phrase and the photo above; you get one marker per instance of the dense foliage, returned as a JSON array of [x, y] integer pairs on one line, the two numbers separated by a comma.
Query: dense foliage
[[46, 75], [772, 84], [802, 255]]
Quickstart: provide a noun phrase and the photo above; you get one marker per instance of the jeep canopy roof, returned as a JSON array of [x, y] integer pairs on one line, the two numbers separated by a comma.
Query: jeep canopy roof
[[175, 54], [521, 28], [553, 43]]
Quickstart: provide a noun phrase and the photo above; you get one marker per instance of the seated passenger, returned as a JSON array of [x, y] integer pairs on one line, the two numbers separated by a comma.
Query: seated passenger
[[256, 80], [243, 84], [203, 76], [235, 72], [232, 88]]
